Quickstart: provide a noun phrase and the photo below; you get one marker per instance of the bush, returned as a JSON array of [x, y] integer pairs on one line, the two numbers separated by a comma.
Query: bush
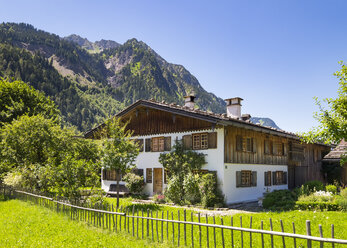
[[319, 196], [210, 194], [279, 200], [343, 193], [331, 188], [174, 191], [134, 183], [13, 179], [159, 198], [329, 206], [314, 185], [191, 189], [342, 202]]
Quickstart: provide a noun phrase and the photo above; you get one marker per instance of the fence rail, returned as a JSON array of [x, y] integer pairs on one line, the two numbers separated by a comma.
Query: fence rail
[[147, 226]]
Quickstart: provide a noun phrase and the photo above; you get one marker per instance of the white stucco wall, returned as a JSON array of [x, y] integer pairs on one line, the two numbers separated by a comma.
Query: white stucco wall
[[214, 158], [242, 194]]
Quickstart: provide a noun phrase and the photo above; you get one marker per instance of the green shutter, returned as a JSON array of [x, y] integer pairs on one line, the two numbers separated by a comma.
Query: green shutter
[[238, 179], [254, 178]]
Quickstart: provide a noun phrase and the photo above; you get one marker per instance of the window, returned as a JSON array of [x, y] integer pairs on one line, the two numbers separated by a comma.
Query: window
[[158, 144], [110, 175], [200, 141], [249, 145], [196, 141], [279, 177], [149, 175], [246, 178], [267, 178], [267, 146], [239, 143], [204, 141]]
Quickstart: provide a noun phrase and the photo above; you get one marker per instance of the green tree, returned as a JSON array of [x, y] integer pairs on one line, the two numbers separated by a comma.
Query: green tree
[[333, 119], [47, 157], [119, 151], [181, 164], [17, 98]]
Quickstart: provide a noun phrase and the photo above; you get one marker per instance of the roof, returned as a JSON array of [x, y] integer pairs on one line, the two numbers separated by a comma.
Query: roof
[[337, 152], [214, 118]]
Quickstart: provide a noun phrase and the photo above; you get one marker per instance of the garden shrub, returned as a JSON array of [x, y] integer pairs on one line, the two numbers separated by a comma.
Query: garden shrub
[[343, 193], [159, 198], [134, 183], [279, 200], [319, 196], [329, 206], [191, 189], [331, 188], [210, 194], [314, 185], [174, 191], [342, 202]]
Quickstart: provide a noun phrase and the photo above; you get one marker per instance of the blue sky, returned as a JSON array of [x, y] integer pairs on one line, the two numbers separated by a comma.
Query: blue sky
[[275, 54]]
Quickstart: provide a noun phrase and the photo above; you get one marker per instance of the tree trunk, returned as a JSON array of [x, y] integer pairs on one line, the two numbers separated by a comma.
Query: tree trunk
[[118, 177]]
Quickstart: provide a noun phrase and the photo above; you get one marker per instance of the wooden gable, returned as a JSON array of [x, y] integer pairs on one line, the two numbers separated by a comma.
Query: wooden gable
[[145, 121]]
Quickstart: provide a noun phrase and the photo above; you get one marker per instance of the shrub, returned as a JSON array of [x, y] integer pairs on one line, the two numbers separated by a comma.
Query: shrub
[[343, 193], [191, 188], [173, 190], [159, 198], [342, 202], [331, 188], [319, 196], [279, 200], [13, 179], [134, 183], [329, 206], [314, 185], [210, 194]]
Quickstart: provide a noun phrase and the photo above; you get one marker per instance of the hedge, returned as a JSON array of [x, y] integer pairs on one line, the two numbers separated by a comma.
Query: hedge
[[330, 206]]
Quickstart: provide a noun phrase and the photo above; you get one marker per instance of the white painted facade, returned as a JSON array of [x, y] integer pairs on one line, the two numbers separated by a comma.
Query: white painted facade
[[235, 194], [226, 172]]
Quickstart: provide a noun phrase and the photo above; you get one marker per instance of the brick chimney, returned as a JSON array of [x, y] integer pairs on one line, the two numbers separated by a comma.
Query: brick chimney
[[234, 107], [189, 101]]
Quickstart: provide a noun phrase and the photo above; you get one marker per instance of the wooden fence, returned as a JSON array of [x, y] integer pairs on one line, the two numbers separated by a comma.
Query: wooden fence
[[163, 226]]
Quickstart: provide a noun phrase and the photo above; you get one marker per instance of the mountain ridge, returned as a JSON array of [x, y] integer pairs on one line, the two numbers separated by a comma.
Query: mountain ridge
[[91, 81]]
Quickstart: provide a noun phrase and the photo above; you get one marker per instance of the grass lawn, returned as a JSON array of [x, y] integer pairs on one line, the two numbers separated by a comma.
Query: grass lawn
[[25, 225], [339, 219]]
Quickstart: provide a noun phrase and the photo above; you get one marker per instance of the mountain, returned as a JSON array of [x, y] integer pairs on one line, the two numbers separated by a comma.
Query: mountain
[[266, 122], [90, 81], [96, 46]]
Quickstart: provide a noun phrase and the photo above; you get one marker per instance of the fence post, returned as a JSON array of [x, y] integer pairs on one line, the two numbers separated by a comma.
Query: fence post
[[214, 232], [250, 234], [308, 232], [321, 235], [272, 237], [262, 235], [283, 239], [207, 236], [184, 227], [222, 230], [192, 228], [232, 232], [179, 229], [294, 233], [332, 235], [241, 232], [199, 230], [133, 220]]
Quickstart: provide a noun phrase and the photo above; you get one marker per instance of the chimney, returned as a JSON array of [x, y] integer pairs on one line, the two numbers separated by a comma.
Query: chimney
[[234, 107], [189, 101]]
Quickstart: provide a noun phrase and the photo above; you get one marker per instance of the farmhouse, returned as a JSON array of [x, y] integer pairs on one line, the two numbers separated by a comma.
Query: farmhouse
[[249, 159]]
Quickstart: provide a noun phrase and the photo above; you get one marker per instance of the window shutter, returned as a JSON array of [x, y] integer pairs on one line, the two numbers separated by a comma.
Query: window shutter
[[274, 178], [187, 141], [148, 145], [104, 174], [212, 140], [148, 175], [238, 179], [270, 177], [254, 178], [167, 143], [254, 145], [140, 144], [266, 183], [284, 178]]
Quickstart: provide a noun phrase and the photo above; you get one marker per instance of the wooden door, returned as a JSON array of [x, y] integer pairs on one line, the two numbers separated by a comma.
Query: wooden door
[[158, 181]]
